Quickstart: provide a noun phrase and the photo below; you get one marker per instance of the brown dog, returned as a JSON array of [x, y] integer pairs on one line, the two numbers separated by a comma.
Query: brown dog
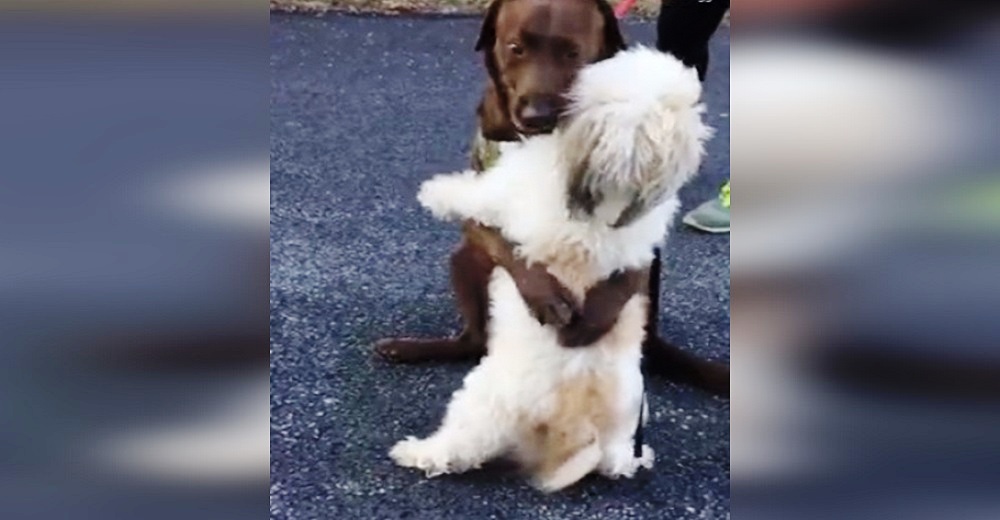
[[533, 50]]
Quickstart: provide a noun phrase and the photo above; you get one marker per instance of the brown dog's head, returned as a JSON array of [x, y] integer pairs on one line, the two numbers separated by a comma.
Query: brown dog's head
[[533, 50]]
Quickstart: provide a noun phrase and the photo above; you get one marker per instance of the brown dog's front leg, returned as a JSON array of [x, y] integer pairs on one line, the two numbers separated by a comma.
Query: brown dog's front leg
[[604, 303], [670, 361], [545, 296], [471, 267]]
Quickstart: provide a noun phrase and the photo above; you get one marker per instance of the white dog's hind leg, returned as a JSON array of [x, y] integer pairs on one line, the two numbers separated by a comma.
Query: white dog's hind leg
[[473, 433], [620, 460], [619, 449], [581, 464]]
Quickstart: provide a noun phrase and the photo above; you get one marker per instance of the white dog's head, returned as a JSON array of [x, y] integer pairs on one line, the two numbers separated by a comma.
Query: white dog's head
[[633, 133]]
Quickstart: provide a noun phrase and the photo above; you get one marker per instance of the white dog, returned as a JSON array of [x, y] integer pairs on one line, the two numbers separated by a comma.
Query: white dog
[[593, 198]]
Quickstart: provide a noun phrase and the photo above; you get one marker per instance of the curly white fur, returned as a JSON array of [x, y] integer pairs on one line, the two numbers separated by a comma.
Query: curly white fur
[[564, 413], [635, 156]]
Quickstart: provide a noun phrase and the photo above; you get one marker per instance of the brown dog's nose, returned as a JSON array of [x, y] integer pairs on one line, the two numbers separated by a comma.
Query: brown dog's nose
[[539, 115]]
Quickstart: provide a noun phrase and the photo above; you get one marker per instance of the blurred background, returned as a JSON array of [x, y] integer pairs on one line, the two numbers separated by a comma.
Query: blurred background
[[133, 259], [866, 260]]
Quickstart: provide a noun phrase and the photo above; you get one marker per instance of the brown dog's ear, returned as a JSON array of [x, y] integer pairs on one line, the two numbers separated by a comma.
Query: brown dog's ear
[[494, 121], [613, 39], [488, 33]]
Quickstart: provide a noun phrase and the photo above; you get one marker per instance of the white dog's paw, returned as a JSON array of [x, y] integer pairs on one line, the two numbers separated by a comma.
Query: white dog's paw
[[627, 464], [647, 459], [420, 454], [439, 195]]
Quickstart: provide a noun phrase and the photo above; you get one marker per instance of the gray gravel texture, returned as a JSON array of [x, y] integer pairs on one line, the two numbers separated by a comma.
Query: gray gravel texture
[[363, 110]]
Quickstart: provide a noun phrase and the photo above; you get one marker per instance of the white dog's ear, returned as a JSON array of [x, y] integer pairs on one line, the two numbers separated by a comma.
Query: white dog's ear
[[633, 141], [646, 160], [583, 199], [660, 163], [586, 145]]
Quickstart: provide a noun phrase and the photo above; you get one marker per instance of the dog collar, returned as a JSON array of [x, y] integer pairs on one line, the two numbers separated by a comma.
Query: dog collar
[[485, 153], [623, 7]]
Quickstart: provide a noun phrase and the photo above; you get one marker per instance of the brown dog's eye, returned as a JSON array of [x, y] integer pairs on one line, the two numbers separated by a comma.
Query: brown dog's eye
[[516, 49], [572, 54]]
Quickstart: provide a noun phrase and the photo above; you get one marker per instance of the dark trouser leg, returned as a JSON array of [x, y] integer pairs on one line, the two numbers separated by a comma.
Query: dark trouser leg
[[685, 28]]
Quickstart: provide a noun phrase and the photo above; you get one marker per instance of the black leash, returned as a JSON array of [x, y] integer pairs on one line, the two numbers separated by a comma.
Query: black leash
[[640, 429], [652, 329]]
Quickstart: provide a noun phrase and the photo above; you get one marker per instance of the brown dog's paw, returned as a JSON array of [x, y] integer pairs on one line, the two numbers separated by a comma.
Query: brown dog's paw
[[549, 302], [407, 351], [551, 310], [398, 350], [580, 333], [717, 380], [673, 363]]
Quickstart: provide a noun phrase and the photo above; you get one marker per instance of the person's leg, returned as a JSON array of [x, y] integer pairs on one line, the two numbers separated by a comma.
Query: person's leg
[[685, 27]]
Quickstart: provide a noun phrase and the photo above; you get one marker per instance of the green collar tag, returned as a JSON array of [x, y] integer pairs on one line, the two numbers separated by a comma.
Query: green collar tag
[[489, 154]]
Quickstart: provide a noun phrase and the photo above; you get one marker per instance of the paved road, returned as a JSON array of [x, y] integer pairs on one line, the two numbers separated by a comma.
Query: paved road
[[362, 110]]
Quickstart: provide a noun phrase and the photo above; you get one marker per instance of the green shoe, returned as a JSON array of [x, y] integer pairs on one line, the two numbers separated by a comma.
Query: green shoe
[[712, 216]]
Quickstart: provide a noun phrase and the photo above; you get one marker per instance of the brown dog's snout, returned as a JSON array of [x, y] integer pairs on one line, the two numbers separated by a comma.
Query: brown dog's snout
[[539, 114]]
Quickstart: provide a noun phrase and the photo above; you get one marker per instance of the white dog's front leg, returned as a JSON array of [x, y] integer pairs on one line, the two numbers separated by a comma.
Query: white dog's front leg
[[464, 195], [473, 433]]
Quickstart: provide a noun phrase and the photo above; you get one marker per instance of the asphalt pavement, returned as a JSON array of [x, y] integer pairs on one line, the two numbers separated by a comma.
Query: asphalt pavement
[[363, 109]]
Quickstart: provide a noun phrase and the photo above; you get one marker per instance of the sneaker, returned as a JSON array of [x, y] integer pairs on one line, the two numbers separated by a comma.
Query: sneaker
[[712, 216]]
